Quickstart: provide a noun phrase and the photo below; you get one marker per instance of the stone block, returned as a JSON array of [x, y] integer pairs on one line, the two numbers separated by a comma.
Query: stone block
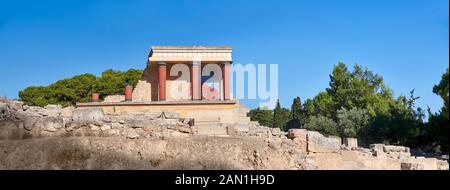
[[88, 115], [51, 124], [319, 143], [298, 136], [28, 118], [50, 110], [377, 147], [67, 112], [139, 123], [16, 105], [4, 111], [301, 144], [390, 148], [171, 115], [377, 150], [297, 133], [350, 142]]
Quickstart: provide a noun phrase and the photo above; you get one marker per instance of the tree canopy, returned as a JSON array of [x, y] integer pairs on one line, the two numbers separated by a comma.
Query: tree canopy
[[357, 103], [69, 91]]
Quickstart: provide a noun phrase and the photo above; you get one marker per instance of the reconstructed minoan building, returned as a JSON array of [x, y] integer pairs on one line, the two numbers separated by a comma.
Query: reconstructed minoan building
[[193, 81]]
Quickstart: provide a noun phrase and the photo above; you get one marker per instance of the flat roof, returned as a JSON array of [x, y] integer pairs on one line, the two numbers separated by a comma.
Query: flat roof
[[191, 47]]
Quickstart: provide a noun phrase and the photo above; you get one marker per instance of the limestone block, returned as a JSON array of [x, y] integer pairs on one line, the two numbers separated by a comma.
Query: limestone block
[[141, 91], [350, 142], [301, 143], [17, 105], [4, 111], [88, 115], [319, 143], [377, 147], [298, 136], [171, 115], [67, 112], [297, 133], [51, 124], [428, 163], [390, 148], [28, 118], [50, 110], [139, 123]]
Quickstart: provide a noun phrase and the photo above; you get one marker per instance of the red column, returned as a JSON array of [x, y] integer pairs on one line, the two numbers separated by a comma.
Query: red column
[[162, 70], [128, 93], [195, 76], [95, 97], [226, 80]]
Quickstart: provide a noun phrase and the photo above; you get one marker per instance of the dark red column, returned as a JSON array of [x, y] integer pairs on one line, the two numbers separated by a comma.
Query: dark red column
[[226, 80], [195, 76], [162, 70]]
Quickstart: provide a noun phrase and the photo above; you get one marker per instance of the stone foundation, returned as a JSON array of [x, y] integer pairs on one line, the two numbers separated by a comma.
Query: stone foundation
[[225, 112], [89, 138]]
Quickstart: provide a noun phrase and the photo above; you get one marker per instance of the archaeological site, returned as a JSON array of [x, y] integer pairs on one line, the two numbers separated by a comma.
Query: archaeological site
[[190, 124]]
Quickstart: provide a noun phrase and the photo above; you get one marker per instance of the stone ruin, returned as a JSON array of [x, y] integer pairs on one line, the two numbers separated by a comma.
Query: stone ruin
[[251, 146]]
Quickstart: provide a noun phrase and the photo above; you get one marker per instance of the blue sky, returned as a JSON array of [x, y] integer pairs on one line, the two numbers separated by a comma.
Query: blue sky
[[405, 41]]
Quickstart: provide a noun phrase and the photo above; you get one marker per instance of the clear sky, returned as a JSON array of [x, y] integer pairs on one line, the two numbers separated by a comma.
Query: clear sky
[[405, 41]]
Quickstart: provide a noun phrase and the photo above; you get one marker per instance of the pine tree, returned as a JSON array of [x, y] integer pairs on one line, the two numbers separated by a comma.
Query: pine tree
[[280, 116], [296, 114], [296, 108]]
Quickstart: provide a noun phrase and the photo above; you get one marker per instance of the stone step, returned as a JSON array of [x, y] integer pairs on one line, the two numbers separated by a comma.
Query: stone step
[[210, 130], [211, 121], [200, 119], [207, 123]]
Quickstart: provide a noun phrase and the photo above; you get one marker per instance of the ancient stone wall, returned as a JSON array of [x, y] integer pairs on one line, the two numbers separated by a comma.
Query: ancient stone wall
[[147, 87], [92, 139]]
